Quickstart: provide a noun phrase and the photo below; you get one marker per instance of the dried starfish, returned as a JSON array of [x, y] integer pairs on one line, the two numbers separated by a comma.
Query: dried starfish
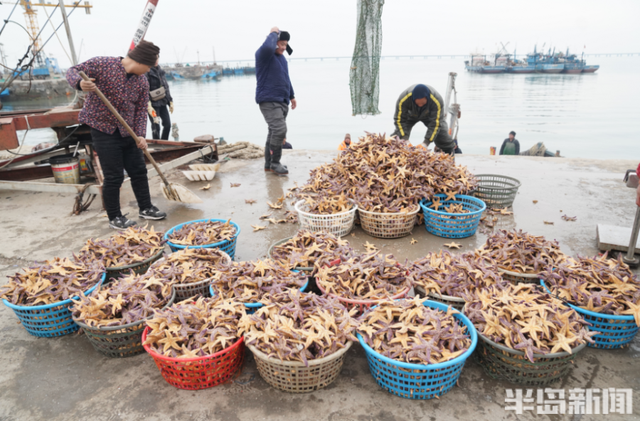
[[133, 245], [306, 248], [296, 326], [383, 174], [203, 233], [423, 335], [257, 227], [52, 281], [524, 317], [249, 201], [453, 245], [188, 329]]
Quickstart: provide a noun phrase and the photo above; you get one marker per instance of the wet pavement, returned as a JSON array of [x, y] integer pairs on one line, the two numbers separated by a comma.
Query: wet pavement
[[65, 379]]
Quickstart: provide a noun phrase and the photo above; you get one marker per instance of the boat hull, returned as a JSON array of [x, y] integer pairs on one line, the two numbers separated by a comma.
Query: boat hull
[[590, 69], [572, 71]]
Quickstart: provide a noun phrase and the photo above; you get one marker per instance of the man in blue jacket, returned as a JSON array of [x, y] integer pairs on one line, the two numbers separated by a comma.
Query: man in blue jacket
[[273, 94]]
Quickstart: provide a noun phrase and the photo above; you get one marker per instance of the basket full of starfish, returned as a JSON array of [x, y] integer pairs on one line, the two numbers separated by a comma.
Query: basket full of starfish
[[41, 295], [606, 294], [196, 344], [113, 317], [454, 216], [416, 349], [247, 282], [387, 224], [450, 279], [526, 336], [299, 340], [522, 257], [135, 248], [498, 191], [205, 233], [364, 281], [335, 215], [190, 270]]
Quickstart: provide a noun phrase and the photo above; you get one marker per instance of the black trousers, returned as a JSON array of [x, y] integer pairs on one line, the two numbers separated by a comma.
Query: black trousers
[[275, 114], [165, 117], [116, 154]]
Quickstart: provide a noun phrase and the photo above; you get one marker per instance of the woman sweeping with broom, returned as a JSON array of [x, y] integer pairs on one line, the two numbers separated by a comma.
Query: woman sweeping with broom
[[123, 83]]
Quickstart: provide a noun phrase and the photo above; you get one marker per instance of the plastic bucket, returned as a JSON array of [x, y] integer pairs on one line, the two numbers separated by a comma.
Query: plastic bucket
[[66, 169]]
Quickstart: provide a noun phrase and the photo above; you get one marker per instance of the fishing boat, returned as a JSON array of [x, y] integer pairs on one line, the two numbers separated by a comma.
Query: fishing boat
[[479, 64], [590, 68]]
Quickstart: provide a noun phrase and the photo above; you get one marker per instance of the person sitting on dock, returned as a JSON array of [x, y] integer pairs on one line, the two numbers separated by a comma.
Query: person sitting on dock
[[274, 92], [345, 143], [122, 81], [423, 103], [510, 146]]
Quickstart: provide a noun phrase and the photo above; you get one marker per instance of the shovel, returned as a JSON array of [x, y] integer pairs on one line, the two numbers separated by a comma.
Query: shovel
[[171, 191]]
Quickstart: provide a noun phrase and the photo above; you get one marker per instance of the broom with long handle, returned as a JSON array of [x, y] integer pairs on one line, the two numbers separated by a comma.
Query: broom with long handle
[[172, 191]]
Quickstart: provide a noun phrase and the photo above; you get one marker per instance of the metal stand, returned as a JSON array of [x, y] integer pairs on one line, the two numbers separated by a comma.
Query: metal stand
[[630, 259]]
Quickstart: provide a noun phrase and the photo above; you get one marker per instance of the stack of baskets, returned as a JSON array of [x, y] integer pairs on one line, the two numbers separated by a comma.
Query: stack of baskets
[[453, 225], [338, 224]]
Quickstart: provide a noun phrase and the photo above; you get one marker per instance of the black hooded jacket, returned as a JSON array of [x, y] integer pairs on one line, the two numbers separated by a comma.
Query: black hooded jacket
[[157, 78]]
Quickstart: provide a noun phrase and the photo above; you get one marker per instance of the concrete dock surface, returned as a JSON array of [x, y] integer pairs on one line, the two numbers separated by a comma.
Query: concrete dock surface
[[66, 379]]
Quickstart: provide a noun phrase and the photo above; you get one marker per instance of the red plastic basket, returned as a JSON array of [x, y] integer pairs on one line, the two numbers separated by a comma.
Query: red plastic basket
[[202, 372]]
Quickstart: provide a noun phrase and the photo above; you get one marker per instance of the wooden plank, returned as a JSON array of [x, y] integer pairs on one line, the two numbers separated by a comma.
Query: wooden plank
[[611, 237]]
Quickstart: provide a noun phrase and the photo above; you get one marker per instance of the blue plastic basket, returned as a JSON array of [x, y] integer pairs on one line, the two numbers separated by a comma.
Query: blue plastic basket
[[253, 307], [49, 320], [416, 381], [453, 225], [614, 331], [228, 246]]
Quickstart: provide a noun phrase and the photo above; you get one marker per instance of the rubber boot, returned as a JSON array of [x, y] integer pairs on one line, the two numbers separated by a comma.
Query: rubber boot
[[276, 167], [267, 157]]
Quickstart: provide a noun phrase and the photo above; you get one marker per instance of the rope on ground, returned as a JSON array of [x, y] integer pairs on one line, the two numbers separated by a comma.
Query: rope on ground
[[79, 206], [242, 150]]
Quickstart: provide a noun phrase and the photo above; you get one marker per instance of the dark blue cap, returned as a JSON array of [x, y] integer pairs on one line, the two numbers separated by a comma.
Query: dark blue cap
[[420, 91]]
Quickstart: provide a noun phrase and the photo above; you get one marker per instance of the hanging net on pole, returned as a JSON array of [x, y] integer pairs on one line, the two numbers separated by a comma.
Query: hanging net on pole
[[364, 78]]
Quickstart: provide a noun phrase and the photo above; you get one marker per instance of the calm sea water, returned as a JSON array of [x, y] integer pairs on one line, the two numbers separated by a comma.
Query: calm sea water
[[585, 116]]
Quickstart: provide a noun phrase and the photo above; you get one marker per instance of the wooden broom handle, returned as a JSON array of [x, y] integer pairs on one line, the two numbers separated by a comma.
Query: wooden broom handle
[[126, 126]]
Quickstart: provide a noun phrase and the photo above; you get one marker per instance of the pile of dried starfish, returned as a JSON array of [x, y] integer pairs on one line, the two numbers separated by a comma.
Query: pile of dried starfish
[[133, 245], [190, 265], [203, 233], [408, 331], [247, 282], [306, 248], [127, 300], [518, 251], [296, 326], [524, 318], [382, 174], [597, 284], [454, 275], [50, 282], [195, 329], [367, 277]]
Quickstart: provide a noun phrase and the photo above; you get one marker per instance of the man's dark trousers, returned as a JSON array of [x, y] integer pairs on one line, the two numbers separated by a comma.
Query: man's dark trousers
[[275, 114], [117, 153], [163, 113]]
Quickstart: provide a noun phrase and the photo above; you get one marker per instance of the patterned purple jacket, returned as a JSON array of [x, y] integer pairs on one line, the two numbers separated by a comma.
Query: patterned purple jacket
[[129, 95]]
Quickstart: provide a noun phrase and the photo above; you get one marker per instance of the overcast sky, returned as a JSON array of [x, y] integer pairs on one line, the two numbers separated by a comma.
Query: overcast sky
[[327, 28]]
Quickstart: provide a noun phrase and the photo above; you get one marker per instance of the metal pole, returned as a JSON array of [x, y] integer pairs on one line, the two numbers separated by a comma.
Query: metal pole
[[63, 10], [629, 258]]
